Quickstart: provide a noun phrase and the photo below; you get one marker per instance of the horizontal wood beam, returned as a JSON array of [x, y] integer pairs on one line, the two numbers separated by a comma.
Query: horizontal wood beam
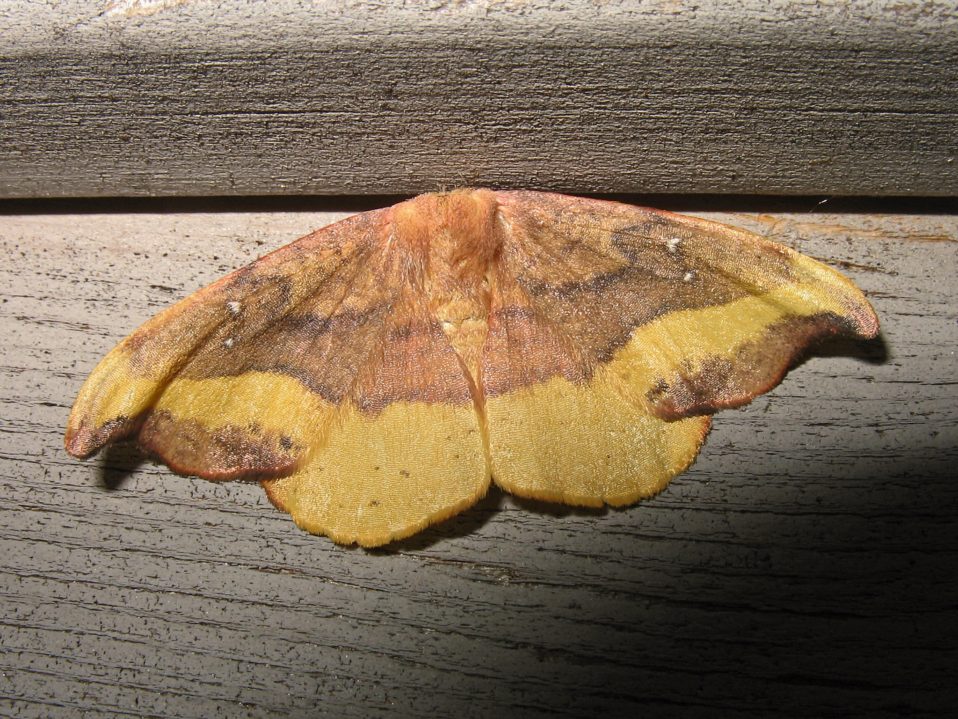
[[176, 97]]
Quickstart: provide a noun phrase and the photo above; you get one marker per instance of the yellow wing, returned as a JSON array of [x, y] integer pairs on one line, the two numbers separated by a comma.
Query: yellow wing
[[320, 363], [619, 330], [234, 380]]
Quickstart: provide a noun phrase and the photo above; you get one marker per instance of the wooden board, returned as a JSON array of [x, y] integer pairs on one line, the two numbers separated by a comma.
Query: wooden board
[[202, 97], [805, 565]]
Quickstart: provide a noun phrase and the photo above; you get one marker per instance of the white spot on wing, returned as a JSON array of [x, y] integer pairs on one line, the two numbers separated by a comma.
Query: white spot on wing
[[234, 307], [673, 243], [688, 276], [228, 342]]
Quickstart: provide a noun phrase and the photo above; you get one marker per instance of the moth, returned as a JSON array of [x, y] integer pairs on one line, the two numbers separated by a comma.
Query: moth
[[377, 375]]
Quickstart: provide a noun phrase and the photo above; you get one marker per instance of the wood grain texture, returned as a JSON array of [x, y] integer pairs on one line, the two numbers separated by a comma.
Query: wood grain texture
[[805, 565], [205, 97]]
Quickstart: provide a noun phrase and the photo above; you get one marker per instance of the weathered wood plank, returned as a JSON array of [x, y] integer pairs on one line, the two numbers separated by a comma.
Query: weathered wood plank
[[805, 565], [358, 97]]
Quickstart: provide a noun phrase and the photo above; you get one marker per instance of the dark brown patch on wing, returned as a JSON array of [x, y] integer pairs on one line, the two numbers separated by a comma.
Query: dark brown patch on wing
[[323, 353], [223, 453], [757, 367]]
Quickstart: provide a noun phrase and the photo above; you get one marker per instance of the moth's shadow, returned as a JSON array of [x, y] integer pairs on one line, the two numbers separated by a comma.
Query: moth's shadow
[[874, 351], [463, 524], [117, 463], [473, 518], [557, 510]]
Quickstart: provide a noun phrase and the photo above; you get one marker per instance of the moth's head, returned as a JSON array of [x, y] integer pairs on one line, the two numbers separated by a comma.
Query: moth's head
[[455, 233]]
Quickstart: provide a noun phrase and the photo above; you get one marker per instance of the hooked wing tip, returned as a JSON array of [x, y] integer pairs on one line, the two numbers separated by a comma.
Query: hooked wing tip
[[83, 440]]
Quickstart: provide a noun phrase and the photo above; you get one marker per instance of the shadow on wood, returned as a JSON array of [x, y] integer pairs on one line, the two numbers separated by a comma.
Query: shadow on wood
[[873, 351], [462, 525], [119, 462]]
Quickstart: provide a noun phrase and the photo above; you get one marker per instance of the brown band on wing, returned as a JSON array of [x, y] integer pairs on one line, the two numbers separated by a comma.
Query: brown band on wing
[[415, 363], [319, 333], [758, 366], [602, 313], [314, 275], [600, 270], [323, 353], [338, 357], [156, 339], [223, 453]]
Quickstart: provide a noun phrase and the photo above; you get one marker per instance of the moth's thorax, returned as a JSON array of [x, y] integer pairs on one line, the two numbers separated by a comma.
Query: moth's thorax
[[452, 236], [451, 242]]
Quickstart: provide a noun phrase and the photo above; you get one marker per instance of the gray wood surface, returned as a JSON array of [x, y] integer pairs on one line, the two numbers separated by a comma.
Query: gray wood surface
[[199, 97], [804, 566]]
